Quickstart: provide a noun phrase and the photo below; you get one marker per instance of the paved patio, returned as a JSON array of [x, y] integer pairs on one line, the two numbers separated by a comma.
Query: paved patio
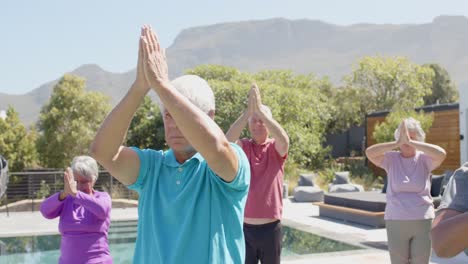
[[303, 216]]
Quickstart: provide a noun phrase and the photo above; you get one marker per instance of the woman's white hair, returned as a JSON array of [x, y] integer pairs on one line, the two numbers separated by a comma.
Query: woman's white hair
[[412, 125], [86, 167], [196, 89]]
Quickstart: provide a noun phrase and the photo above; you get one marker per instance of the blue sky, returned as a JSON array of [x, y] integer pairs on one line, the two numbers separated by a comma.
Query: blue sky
[[41, 40]]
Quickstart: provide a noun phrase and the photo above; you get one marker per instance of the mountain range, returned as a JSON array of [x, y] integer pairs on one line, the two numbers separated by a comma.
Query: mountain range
[[303, 46]]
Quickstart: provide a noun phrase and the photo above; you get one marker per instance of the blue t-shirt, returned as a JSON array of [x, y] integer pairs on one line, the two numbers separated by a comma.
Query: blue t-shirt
[[187, 214]]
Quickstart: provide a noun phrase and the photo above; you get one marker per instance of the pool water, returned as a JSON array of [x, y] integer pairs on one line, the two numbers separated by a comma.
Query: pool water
[[122, 236]]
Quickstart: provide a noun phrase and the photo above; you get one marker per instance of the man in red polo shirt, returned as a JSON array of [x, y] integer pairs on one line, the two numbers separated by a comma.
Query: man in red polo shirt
[[264, 208]]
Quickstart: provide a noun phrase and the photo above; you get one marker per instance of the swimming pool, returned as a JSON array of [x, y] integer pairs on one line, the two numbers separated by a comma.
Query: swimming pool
[[122, 236]]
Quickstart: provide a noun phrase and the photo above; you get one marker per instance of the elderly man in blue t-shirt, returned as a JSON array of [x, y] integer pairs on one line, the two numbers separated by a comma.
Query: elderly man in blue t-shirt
[[192, 196]]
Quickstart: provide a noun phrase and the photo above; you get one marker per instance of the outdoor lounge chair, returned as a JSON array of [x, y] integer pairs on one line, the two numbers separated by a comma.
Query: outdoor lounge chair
[[367, 208], [341, 183], [436, 189], [307, 190]]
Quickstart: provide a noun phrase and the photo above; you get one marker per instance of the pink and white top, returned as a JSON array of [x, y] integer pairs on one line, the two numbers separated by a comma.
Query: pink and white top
[[409, 186], [265, 199]]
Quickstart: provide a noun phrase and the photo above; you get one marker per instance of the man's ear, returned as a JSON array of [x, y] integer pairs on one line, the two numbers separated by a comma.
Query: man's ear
[[211, 114]]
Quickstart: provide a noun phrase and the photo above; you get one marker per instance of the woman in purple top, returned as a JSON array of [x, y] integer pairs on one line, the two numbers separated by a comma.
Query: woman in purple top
[[84, 214], [409, 210]]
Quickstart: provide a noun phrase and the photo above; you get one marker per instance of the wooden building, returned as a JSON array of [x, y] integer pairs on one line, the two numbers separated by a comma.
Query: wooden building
[[445, 132]]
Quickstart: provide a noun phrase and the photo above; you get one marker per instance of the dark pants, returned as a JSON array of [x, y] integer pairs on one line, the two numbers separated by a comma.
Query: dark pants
[[263, 242]]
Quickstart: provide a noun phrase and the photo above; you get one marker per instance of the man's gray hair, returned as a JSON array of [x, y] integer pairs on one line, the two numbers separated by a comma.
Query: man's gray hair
[[196, 89], [412, 125], [86, 167]]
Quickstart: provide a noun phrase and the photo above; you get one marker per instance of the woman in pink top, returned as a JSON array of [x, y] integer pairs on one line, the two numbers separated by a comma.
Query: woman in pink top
[[409, 210], [84, 214]]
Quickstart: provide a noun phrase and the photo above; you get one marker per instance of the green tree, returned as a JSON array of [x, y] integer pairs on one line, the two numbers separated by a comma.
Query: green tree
[[147, 127], [443, 89], [230, 87], [69, 121], [17, 145], [296, 101], [217, 72], [384, 132], [391, 82], [349, 107]]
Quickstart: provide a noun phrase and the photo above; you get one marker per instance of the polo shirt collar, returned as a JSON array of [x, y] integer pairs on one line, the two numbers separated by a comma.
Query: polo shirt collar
[[170, 160], [267, 141]]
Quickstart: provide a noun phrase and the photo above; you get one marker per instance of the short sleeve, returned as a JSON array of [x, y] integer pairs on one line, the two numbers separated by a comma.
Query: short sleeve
[[449, 193], [456, 193], [387, 160], [428, 162], [281, 158], [148, 159], [242, 180]]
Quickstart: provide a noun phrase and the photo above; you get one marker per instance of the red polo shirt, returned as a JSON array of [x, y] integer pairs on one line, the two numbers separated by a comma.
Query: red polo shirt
[[265, 199]]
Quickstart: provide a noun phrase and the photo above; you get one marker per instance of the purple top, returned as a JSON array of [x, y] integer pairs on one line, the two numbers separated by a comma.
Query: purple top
[[84, 222], [409, 186]]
